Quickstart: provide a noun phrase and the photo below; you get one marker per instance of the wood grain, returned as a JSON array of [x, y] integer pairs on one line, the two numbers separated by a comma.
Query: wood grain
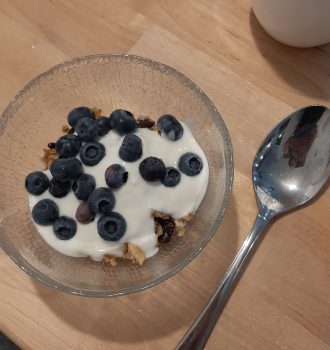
[[283, 299]]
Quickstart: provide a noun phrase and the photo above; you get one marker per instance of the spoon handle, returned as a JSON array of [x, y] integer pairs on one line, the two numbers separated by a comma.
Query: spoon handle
[[200, 330]]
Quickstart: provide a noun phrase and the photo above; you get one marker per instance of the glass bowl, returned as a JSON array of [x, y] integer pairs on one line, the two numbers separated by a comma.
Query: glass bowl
[[35, 117]]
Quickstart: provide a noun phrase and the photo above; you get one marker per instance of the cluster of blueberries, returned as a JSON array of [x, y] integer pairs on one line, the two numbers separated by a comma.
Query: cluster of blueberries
[[67, 171]]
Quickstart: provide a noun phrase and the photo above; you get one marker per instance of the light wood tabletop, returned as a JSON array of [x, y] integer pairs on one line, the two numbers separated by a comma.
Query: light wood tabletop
[[283, 299]]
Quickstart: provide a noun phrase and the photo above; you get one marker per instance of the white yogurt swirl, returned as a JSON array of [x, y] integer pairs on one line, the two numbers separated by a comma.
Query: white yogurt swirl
[[135, 200]]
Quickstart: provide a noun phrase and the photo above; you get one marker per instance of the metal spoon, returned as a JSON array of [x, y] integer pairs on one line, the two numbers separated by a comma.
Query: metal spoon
[[290, 168]]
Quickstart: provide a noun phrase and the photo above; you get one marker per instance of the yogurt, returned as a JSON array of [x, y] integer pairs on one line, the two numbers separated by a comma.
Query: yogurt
[[135, 200]]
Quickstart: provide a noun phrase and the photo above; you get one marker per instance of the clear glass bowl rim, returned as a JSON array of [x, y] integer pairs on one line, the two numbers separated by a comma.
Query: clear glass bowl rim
[[30, 270]]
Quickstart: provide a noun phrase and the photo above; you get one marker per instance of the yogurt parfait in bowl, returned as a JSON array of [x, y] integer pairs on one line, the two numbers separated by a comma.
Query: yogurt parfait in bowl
[[114, 187]]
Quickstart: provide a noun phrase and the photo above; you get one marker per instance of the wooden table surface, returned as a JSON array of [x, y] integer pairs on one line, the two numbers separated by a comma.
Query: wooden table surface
[[283, 299]]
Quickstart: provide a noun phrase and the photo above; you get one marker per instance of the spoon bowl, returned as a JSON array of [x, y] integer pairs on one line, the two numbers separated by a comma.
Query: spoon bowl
[[293, 162], [290, 168]]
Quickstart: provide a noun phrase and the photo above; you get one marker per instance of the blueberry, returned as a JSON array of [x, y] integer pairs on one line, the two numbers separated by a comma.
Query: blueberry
[[64, 228], [172, 177], [45, 212], [68, 146], [92, 153], [131, 148], [123, 121], [103, 124], [152, 169], [83, 186], [87, 129], [79, 113], [101, 200], [115, 176], [190, 164], [36, 183], [170, 126], [111, 227], [59, 189], [65, 169], [83, 214]]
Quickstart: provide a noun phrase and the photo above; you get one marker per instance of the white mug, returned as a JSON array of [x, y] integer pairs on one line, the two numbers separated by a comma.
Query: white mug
[[300, 23]]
